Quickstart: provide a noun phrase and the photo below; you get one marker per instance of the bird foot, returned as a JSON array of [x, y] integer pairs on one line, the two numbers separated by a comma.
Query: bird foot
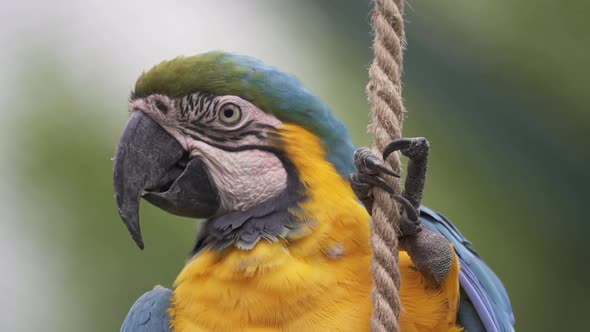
[[370, 172], [430, 252]]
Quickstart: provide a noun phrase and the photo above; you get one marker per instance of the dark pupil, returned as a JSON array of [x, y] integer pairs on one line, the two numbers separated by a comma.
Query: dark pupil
[[228, 112]]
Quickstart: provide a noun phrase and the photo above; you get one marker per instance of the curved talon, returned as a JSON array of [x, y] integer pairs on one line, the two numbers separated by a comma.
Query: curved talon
[[408, 207], [377, 164], [366, 162], [361, 188], [375, 180], [396, 145]]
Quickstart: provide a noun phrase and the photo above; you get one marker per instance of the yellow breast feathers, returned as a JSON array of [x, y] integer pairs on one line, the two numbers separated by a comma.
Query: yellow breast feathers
[[316, 280]]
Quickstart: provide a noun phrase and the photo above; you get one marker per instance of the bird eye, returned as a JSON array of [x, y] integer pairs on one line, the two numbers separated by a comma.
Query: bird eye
[[230, 114]]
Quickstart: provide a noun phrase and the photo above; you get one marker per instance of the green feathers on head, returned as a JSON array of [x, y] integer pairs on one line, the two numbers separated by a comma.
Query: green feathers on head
[[179, 77], [273, 91]]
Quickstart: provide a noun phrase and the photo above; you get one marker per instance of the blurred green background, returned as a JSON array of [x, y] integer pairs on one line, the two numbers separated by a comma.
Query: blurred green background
[[499, 87]]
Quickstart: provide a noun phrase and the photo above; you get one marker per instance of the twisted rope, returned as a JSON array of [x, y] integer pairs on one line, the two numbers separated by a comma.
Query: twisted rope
[[387, 110]]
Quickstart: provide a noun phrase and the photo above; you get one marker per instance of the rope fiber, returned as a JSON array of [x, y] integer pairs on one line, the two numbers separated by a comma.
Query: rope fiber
[[387, 112]]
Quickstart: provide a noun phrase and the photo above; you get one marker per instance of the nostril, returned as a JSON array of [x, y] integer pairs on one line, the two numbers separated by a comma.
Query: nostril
[[161, 106]]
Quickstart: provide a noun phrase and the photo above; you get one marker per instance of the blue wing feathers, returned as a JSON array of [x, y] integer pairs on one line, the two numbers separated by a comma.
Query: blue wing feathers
[[487, 304], [149, 312], [467, 316]]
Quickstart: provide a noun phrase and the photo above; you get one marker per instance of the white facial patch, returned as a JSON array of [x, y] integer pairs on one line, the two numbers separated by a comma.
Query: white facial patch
[[244, 178]]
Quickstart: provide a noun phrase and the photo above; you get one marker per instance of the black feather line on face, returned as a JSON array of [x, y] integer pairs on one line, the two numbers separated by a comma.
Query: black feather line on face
[[215, 103], [209, 103], [229, 131], [203, 134], [250, 133], [190, 103], [201, 107], [197, 104], [181, 107], [205, 129], [236, 138]]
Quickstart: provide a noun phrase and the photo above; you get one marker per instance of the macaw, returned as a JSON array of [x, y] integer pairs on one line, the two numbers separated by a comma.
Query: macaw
[[286, 201]]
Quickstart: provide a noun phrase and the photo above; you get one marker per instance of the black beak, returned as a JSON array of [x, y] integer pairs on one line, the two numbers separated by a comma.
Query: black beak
[[149, 160]]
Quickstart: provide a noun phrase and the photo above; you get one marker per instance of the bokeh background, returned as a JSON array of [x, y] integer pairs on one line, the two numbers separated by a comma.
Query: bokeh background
[[499, 87]]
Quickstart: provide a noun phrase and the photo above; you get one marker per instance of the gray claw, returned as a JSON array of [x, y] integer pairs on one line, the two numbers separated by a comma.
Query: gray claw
[[409, 209], [362, 191], [376, 181], [377, 164], [413, 148], [366, 162], [396, 145]]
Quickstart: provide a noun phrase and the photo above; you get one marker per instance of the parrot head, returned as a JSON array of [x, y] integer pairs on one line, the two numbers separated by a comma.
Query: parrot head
[[203, 140]]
